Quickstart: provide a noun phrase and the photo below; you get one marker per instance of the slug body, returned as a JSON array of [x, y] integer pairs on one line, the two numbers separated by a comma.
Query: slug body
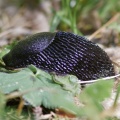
[[62, 53]]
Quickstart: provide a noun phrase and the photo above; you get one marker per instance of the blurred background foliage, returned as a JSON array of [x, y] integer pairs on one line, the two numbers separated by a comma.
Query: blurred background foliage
[[19, 18], [78, 16], [83, 17]]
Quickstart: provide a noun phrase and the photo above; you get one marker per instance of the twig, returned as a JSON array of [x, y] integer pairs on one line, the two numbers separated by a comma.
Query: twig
[[4, 33], [91, 81], [45, 117], [115, 63], [18, 94], [116, 98], [20, 107], [113, 19], [12, 30]]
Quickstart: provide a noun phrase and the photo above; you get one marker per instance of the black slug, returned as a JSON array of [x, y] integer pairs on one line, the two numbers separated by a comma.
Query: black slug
[[62, 53]]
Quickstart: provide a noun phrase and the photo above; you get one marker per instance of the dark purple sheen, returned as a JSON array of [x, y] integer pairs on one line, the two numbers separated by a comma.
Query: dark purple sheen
[[62, 53]]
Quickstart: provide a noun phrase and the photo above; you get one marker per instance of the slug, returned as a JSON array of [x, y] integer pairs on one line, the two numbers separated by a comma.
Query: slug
[[62, 53]]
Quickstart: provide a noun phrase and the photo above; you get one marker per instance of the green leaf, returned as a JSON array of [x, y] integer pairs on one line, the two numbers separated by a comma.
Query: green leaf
[[43, 89], [6, 49], [2, 106], [93, 95], [3, 52], [98, 91], [11, 114], [68, 82]]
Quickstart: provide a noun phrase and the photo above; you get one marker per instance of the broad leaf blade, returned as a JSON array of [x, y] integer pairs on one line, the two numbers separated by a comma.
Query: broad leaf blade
[[43, 89], [93, 95]]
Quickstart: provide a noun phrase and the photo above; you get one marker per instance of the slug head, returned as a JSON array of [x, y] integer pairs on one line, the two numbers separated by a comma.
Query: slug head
[[25, 49]]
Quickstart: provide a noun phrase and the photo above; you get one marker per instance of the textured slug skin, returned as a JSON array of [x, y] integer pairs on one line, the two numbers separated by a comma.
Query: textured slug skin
[[62, 53]]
